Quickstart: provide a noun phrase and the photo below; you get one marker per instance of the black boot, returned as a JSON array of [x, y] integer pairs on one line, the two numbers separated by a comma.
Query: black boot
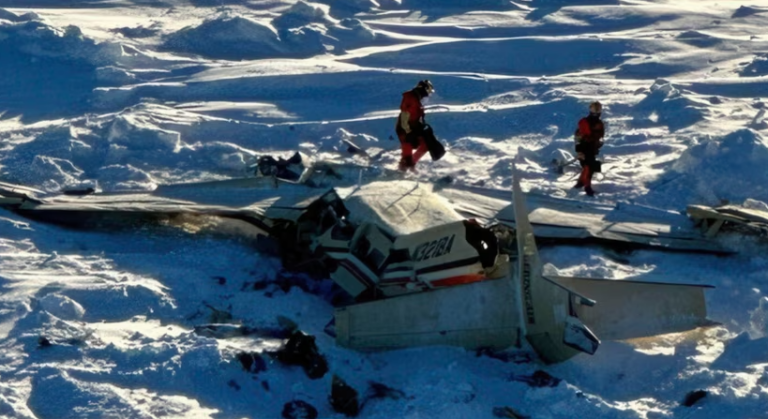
[[405, 163], [589, 191]]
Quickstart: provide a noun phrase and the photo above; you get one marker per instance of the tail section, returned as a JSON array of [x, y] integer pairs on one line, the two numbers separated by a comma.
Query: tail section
[[551, 323]]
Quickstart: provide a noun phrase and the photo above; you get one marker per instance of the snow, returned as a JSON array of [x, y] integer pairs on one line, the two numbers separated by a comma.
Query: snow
[[130, 94]]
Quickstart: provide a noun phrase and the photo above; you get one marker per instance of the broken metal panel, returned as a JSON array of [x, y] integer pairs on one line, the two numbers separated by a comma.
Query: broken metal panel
[[712, 219], [749, 214], [278, 198], [398, 206], [557, 219], [9, 190], [629, 309], [473, 316]]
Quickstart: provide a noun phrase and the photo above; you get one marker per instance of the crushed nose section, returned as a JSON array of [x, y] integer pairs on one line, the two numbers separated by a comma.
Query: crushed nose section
[[370, 263], [356, 257]]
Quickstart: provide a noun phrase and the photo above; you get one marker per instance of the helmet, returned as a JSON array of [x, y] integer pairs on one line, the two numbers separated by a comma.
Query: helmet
[[595, 107], [426, 87]]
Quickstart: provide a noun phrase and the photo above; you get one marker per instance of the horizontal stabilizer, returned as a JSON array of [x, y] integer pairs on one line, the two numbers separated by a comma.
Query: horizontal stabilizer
[[631, 309]]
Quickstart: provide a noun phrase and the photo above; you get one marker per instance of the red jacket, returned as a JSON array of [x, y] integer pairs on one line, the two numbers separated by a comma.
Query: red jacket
[[412, 105], [591, 131]]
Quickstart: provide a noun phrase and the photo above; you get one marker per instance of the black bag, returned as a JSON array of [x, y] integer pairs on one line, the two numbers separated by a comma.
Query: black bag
[[436, 149]]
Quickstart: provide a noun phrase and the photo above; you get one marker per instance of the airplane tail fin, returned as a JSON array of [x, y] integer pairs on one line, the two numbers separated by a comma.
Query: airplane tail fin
[[552, 323]]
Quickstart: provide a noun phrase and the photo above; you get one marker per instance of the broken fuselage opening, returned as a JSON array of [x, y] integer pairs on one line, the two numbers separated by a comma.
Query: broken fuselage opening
[[372, 264]]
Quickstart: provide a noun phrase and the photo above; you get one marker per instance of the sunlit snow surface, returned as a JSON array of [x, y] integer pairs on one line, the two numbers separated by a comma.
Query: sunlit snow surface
[[130, 94]]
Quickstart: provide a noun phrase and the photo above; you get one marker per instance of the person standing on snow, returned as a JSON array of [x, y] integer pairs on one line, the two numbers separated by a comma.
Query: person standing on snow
[[410, 125], [589, 139]]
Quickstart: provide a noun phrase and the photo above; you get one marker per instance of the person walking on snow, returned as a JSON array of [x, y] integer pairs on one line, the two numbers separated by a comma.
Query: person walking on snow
[[589, 139], [410, 125]]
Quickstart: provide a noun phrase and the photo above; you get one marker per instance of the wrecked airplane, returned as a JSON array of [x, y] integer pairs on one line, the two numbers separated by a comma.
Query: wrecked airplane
[[427, 264], [511, 300]]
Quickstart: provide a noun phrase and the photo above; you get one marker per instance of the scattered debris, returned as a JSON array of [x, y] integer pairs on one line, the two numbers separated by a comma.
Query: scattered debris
[[285, 281], [218, 316], [287, 324], [382, 391], [79, 192], [694, 396], [252, 362], [302, 350], [508, 412], [299, 409], [344, 398], [233, 384], [281, 168], [43, 342], [538, 379]]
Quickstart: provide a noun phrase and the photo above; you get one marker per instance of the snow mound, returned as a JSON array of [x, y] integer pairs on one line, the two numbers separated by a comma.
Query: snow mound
[[457, 4], [58, 173], [137, 32], [57, 394], [742, 352], [40, 40], [115, 75], [697, 39], [218, 155], [758, 67], [665, 104], [140, 134], [10, 16], [351, 7], [59, 62], [338, 141], [730, 168], [62, 307], [352, 33], [13, 17], [744, 11], [303, 14], [125, 177], [236, 38]]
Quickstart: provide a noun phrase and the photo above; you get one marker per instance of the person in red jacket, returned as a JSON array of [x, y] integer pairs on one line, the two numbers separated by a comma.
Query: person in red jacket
[[589, 139], [410, 125]]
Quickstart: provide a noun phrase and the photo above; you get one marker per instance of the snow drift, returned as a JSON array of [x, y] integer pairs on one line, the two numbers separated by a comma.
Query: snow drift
[[239, 38], [60, 64], [731, 168]]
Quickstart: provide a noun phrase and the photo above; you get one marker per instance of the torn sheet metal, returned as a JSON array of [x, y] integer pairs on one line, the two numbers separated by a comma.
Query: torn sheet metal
[[569, 220]]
